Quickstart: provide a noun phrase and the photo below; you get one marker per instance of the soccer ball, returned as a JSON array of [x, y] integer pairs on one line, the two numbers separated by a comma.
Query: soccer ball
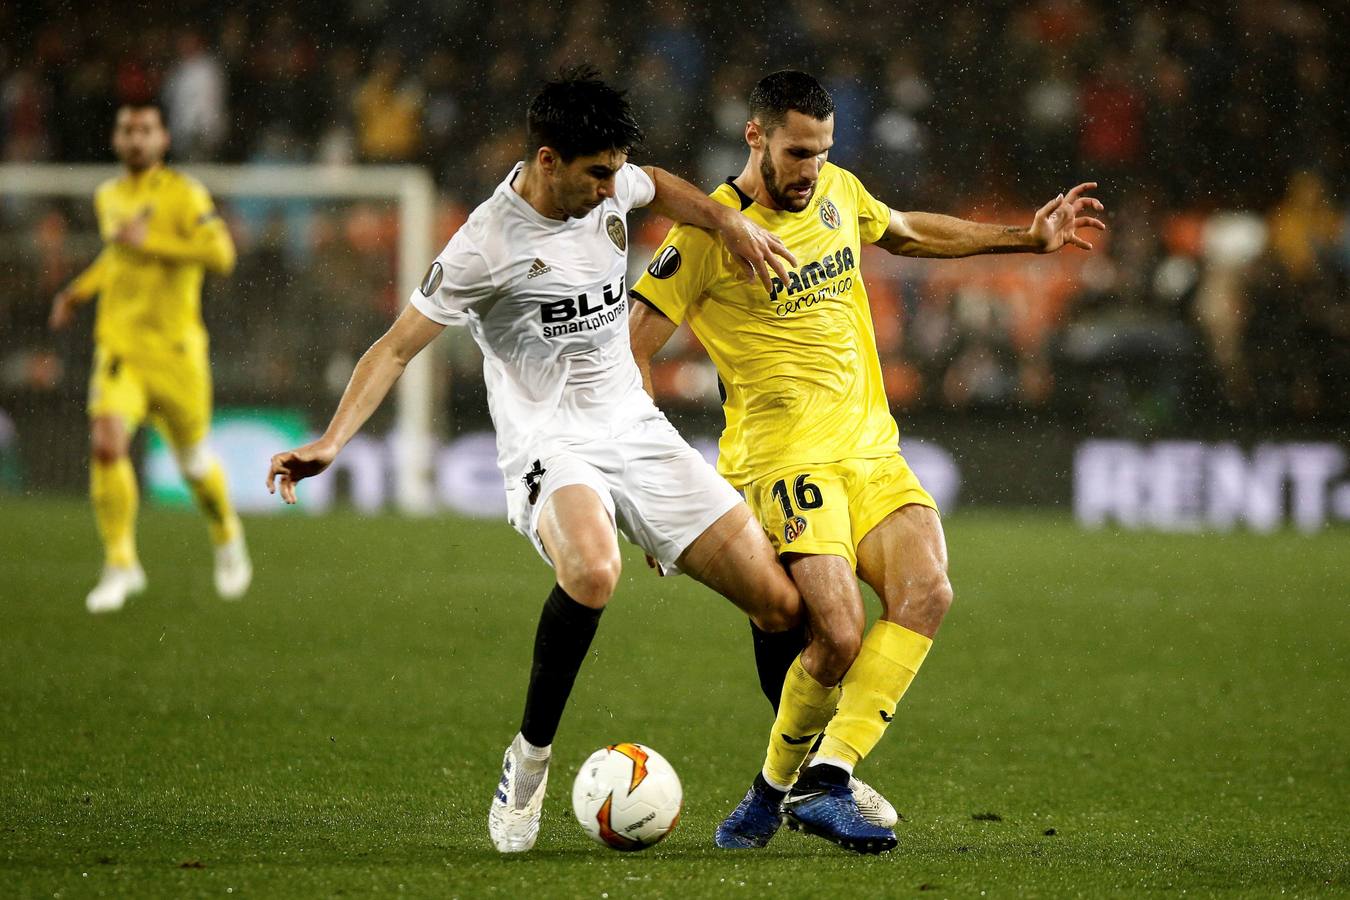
[[627, 796]]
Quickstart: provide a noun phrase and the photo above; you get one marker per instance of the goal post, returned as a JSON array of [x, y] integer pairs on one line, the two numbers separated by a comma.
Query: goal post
[[409, 187]]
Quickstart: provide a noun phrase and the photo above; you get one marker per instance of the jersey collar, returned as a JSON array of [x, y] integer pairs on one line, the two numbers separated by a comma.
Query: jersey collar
[[747, 201], [741, 195], [508, 187]]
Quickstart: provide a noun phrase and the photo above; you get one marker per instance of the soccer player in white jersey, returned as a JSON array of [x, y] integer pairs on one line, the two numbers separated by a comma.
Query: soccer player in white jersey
[[537, 275]]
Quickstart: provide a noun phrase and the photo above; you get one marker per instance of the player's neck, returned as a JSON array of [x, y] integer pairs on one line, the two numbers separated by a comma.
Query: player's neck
[[533, 189], [138, 174], [751, 183]]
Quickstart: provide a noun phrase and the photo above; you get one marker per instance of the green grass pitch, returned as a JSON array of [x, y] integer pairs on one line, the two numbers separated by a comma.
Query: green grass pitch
[[1104, 714]]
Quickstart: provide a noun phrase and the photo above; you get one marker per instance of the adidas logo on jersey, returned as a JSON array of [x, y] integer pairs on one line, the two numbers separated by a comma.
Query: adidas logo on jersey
[[538, 267]]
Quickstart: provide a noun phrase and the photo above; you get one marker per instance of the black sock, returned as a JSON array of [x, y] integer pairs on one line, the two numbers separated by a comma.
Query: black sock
[[822, 774], [769, 790], [774, 653], [560, 645]]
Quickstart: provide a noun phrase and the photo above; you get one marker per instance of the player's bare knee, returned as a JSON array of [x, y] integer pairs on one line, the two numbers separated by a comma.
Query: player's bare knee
[[936, 595], [777, 619], [833, 650], [106, 447], [920, 604], [591, 582], [195, 461], [778, 607]]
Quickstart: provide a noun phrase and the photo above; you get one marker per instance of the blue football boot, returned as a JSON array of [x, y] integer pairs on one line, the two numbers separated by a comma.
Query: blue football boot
[[754, 821], [822, 804]]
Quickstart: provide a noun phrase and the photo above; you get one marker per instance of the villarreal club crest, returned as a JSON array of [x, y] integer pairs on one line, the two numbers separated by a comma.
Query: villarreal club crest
[[829, 214]]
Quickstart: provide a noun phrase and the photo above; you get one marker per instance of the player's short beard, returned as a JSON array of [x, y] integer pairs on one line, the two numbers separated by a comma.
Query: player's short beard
[[138, 161], [769, 174]]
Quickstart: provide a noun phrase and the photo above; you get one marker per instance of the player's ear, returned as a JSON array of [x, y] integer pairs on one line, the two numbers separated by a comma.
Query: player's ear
[[547, 160], [754, 135]]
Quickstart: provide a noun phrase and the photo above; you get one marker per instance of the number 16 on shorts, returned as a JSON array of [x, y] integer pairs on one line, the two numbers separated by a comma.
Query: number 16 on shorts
[[804, 494]]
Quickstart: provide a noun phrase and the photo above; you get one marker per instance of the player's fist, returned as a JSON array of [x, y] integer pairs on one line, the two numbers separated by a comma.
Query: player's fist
[[291, 467], [134, 232], [63, 311]]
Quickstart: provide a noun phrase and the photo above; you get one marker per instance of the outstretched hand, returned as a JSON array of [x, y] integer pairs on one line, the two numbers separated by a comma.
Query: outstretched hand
[[296, 465], [760, 251], [1057, 222], [63, 311]]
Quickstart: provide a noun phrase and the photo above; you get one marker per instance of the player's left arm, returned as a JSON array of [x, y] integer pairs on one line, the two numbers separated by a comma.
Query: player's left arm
[[761, 251], [204, 238], [933, 235]]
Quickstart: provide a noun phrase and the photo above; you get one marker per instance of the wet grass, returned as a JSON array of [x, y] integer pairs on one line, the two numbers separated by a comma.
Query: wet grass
[[1104, 714]]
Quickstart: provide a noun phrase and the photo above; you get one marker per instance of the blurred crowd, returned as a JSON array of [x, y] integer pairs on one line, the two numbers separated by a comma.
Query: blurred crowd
[[1218, 134]]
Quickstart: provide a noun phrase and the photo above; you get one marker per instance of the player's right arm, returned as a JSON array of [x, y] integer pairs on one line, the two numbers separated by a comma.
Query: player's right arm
[[681, 271], [376, 372], [458, 280], [81, 290], [87, 283]]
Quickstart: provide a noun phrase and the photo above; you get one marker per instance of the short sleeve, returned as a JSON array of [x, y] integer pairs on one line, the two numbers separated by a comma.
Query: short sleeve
[[633, 187], [874, 217], [681, 271], [456, 282]]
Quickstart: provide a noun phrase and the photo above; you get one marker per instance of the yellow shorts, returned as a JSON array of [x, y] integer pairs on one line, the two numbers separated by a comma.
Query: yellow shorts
[[829, 508], [174, 393]]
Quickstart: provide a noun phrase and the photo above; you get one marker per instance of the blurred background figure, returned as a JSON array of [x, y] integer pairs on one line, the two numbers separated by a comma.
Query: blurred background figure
[[194, 100]]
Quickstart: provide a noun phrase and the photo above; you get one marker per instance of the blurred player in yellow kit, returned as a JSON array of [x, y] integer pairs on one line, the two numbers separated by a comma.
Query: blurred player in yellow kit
[[811, 443], [161, 233]]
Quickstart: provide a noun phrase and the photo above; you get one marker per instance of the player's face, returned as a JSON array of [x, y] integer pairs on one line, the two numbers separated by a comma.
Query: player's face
[[139, 138], [791, 157], [584, 183]]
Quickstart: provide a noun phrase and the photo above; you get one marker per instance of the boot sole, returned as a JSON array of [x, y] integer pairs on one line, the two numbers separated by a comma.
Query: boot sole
[[857, 845]]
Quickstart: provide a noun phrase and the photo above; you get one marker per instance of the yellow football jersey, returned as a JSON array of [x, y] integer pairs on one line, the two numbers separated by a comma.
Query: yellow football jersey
[[799, 366], [150, 298]]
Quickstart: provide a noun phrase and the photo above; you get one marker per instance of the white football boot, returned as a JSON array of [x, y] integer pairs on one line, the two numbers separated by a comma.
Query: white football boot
[[518, 802], [234, 570], [115, 585], [875, 808]]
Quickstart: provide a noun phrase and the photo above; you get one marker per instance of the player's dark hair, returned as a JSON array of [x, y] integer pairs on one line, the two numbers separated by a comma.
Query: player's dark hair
[[577, 114], [788, 90], [138, 105]]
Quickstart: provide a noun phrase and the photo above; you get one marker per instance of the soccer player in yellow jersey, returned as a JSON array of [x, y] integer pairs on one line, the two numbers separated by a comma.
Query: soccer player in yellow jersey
[[810, 440], [160, 232]]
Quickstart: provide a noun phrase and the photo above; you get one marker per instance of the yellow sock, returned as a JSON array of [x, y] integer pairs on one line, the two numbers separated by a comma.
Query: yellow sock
[[803, 711], [887, 662], [213, 499], [112, 487]]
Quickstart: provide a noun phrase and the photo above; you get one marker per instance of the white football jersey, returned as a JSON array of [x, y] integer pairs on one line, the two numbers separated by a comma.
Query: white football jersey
[[546, 302]]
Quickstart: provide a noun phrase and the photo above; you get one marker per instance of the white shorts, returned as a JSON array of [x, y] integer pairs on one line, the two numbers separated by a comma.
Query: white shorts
[[660, 493]]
